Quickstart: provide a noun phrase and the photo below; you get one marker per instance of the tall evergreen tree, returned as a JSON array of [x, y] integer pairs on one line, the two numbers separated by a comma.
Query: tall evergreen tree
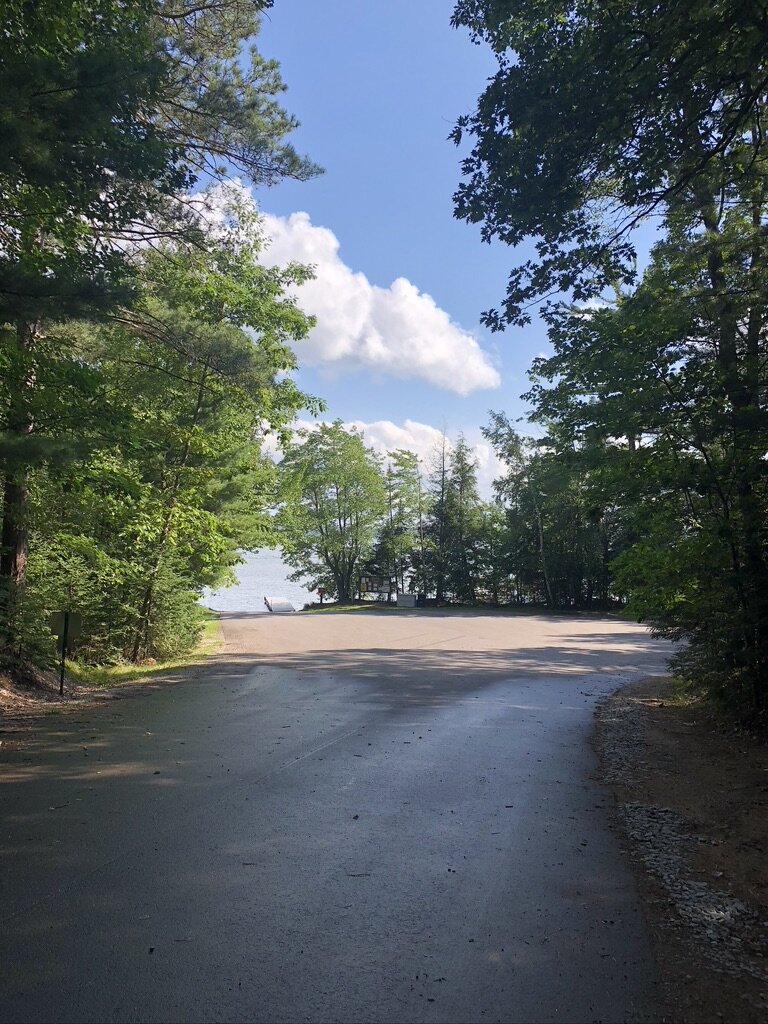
[[400, 537], [436, 527], [463, 513]]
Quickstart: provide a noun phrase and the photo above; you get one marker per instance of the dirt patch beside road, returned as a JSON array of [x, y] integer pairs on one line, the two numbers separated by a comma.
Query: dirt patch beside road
[[692, 805]]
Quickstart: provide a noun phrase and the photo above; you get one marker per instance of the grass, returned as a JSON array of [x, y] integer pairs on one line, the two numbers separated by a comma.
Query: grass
[[359, 606], [682, 694], [463, 609], [102, 676]]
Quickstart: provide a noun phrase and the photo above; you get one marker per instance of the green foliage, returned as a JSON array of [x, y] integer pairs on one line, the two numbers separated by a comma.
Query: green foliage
[[492, 562], [220, 106], [176, 620], [160, 478], [432, 567], [333, 501], [139, 349], [602, 114], [560, 531], [690, 474], [399, 537], [462, 512], [84, 155]]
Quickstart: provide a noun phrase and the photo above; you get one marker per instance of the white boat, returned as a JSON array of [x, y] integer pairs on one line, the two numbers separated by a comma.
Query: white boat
[[278, 604]]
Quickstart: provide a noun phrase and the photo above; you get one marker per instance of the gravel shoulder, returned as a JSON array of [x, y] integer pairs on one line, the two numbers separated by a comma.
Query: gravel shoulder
[[692, 810]]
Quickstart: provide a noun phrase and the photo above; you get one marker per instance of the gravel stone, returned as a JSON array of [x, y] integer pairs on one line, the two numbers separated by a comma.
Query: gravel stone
[[726, 927], [728, 932]]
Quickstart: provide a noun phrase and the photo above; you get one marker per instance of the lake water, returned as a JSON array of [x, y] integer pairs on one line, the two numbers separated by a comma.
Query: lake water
[[262, 574]]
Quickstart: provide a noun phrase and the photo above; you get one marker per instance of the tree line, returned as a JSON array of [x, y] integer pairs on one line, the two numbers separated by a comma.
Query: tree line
[[144, 347], [345, 512], [600, 117]]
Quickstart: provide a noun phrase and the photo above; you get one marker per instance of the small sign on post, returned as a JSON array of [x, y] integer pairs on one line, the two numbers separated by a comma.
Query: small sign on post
[[66, 625]]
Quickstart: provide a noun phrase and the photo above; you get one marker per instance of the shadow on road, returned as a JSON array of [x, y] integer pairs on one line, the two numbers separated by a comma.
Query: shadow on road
[[451, 672], [94, 743]]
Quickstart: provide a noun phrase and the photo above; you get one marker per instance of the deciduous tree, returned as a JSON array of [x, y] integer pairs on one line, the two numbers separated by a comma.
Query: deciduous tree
[[333, 502], [603, 114]]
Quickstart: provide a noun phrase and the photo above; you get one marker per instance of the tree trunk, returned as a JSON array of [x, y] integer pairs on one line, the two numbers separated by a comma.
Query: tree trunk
[[141, 635], [542, 552], [13, 535], [741, 391], [604, 560], [440, 560]]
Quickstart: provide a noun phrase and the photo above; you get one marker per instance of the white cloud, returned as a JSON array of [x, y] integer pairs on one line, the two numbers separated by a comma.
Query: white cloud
[[425, 440], [398, 330], [422, 439], [590, 306], [489, 468], [385, 436]]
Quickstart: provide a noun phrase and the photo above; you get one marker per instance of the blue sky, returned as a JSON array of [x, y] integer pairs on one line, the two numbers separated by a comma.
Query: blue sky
[[377, 87]]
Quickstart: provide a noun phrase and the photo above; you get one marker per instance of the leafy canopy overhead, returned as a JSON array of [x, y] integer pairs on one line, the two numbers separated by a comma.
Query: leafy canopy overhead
[[601, 114], [109, 112]]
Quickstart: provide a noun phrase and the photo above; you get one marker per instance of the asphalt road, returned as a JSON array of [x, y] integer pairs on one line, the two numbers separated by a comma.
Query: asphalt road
[[361, 817]]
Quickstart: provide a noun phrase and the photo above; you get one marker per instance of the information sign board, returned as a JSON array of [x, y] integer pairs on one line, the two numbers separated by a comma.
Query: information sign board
[[375, 584]]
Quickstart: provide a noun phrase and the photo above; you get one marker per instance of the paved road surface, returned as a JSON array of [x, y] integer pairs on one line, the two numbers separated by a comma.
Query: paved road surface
[[366, 817]]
